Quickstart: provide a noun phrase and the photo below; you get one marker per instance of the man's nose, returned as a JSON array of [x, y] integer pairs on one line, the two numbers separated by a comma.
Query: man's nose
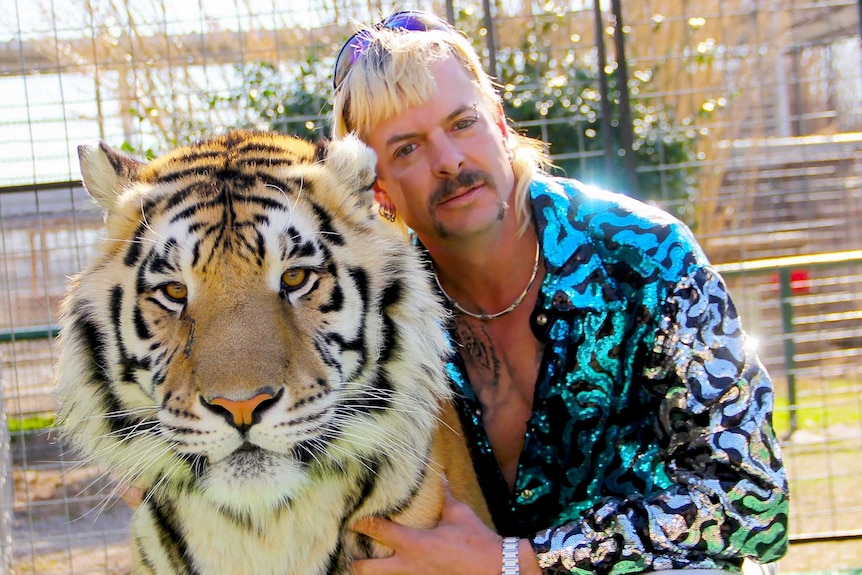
[[447, 157]]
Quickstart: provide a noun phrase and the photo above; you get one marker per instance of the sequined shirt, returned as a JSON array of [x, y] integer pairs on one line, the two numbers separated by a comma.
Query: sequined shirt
[[650, 444]]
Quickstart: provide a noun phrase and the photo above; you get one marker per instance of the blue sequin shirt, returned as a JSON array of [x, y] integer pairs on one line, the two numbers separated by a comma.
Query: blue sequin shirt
[[650, 444]]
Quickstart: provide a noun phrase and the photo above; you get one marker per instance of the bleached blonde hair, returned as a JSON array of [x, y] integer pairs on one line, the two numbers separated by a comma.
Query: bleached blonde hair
[[393, 74]]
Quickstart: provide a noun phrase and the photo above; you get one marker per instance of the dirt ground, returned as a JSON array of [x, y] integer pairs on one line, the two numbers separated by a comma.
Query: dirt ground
[[62, 530]]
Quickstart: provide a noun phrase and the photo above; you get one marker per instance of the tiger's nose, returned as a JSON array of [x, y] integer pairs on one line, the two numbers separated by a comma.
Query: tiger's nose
[[244, 413]]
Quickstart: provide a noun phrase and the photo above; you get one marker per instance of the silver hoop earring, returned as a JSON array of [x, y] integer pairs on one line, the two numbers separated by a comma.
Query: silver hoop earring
[[387, 212]]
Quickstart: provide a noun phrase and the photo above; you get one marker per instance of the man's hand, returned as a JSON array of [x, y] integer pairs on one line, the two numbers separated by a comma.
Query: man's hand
[[460, 544], [133, 496]]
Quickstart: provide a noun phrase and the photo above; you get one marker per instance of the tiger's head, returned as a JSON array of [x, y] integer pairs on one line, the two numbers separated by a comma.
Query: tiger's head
[[248, 325]]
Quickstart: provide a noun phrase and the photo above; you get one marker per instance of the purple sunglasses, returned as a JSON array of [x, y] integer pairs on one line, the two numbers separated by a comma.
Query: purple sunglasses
[[408, 20]]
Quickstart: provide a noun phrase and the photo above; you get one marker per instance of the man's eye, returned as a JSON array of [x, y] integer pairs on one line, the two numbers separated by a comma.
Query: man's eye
[[405, 150], [464, 123]]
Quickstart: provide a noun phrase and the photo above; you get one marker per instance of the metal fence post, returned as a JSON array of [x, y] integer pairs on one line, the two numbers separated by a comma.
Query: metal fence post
[[787, 340], [7, 492]]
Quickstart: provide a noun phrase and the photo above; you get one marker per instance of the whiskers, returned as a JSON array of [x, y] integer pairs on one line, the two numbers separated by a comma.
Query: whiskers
[[399, 439], [136, 454], [359, 393]]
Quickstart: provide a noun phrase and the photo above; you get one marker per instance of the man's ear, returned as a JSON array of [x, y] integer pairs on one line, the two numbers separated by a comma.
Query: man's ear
[[501, 122], [380, 195]]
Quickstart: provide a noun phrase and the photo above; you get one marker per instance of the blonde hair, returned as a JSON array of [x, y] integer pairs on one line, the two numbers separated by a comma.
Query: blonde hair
[[392, 74]]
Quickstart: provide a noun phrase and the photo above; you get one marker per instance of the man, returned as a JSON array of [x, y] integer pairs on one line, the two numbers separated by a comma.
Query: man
[[618, 418]]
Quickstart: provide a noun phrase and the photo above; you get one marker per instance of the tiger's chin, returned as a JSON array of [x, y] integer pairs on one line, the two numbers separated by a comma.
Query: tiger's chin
[[253, 481]]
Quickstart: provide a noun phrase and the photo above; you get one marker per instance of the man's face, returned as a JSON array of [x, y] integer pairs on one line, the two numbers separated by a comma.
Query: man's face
[[444, 164]]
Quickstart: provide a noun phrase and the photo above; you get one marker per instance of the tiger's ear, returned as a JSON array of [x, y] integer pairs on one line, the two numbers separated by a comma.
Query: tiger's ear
[[353, 165], [107, 173]]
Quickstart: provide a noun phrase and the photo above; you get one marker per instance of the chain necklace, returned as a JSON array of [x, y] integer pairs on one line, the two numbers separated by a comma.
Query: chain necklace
[[490, 316]]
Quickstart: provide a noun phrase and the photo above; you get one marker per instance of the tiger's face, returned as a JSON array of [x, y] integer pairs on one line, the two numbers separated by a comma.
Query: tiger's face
[[249, 326]]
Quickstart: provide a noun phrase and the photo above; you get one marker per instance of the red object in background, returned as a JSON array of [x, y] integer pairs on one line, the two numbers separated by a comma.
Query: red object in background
[[800, 282]]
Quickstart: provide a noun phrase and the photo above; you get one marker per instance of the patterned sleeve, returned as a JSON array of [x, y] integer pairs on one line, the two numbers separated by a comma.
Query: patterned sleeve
[[729, 499]]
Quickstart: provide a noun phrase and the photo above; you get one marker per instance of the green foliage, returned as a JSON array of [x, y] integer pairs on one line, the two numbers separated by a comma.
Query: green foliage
[[263, 96], [556, 98], [297, 105], [31, 423], [270, 99], [832, 408]]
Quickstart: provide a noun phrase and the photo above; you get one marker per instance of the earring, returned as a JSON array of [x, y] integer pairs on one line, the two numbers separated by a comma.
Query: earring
[[511, 154], [387, 212]]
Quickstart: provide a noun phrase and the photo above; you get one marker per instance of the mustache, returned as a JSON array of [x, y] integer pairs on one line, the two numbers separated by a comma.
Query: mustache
[[465, 179]]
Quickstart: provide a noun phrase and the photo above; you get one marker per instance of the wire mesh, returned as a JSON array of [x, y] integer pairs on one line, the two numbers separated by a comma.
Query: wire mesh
[[746, 123]]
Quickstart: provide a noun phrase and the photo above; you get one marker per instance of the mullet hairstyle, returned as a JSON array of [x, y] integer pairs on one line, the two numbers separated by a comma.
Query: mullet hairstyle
[[392, 75]]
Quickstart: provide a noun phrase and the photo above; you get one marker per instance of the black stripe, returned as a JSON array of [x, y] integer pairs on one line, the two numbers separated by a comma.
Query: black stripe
[[154, 301], [196, 253], [141, 286], [389, 331], [367, 483], [304, 249], [135, 247], [253, 246], [193, 164], [161, 263], [335, 562], [264, 202], [180, 195], [336, 301], [95, 337], [328, 358], [246, 145], [402, 505], [171, 539], [129, 363], [116, 307], [261, 246], [327, 231], [142, 329], [388, 339], [194, 227], [142, 553], [391, 294], [360, 280], [190, 211], [344, 344]]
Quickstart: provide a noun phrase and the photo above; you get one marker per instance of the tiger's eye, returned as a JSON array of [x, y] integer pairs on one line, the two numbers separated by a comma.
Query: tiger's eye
[[176, 291], [294, 278]]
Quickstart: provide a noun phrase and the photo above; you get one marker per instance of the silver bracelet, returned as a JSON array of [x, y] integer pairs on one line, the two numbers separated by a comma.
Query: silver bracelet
[[511, 566]]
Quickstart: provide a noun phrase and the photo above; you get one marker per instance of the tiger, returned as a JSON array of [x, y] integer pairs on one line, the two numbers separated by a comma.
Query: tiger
[[260, 354]]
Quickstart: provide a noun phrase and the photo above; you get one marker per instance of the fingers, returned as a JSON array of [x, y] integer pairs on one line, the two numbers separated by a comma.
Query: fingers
[[454, 511], [133, 496], [386, 533], [383, 531]]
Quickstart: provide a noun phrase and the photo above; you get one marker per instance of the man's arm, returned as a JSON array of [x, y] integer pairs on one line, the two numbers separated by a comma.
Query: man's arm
[[729, 498]]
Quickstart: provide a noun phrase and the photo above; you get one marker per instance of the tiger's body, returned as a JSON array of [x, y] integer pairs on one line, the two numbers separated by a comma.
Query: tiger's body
[[258, 353]]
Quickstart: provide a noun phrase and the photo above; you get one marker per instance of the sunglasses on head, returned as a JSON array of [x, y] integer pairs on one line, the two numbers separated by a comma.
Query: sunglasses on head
[[356, 45]]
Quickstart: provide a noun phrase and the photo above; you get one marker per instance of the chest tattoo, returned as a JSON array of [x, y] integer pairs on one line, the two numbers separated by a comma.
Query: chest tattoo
[[478, 352]]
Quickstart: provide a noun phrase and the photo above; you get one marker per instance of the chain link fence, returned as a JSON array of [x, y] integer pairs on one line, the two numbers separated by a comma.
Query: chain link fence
[[742, 117]]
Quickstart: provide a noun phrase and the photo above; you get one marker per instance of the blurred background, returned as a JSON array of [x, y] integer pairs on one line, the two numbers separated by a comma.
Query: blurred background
[[741, 117]]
